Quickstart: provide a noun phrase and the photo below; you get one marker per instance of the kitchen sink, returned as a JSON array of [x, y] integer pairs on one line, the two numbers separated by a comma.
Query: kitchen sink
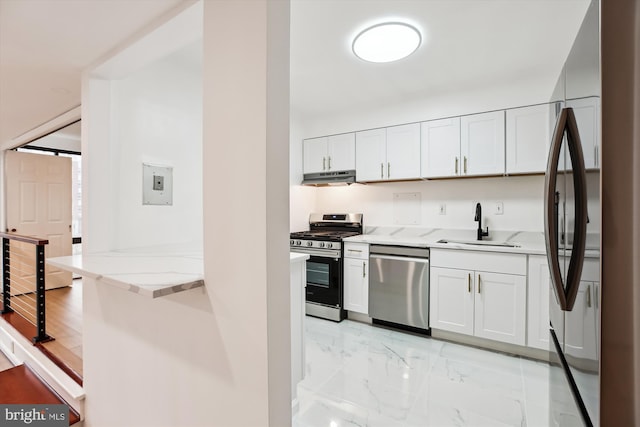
[[480, 243]]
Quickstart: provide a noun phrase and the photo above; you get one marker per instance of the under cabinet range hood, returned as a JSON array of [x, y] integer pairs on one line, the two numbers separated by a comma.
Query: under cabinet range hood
[[329, 178]]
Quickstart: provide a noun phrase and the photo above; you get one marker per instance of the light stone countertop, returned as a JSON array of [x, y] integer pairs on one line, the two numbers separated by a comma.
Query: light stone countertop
[[152, 271], [525, 242]]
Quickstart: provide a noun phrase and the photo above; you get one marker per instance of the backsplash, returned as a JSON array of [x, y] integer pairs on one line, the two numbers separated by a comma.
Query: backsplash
[[521, 199]]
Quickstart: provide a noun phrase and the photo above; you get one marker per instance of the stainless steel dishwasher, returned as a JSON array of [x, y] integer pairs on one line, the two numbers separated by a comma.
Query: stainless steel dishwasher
[[399, 286]]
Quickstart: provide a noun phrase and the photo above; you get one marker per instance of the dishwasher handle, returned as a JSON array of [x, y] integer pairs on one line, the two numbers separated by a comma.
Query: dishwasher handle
[[400, 258]]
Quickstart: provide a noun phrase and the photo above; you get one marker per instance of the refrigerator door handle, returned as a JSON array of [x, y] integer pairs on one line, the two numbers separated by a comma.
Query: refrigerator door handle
[[566, 293]]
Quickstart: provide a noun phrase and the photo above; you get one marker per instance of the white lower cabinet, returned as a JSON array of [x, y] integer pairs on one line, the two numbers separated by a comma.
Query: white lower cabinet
[[581, 334], [538, 302], [452, 300], [356, 277], [500, 307], [485, 304]]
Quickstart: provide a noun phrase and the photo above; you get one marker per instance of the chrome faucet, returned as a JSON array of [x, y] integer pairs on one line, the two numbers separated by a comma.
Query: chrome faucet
[[478, 218]]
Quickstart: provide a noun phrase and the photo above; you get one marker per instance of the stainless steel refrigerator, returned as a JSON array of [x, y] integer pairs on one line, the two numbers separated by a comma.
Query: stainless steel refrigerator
[[572, 231], [592, 221]]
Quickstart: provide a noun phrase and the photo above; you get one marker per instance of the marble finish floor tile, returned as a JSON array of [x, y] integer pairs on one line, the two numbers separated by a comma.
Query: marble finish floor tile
[[366, 376]]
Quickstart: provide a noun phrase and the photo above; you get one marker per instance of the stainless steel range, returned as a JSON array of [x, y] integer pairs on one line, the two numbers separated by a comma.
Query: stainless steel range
[[323, 242]]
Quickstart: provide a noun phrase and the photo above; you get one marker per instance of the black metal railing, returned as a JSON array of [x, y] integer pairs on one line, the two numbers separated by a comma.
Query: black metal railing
[[18, 291]]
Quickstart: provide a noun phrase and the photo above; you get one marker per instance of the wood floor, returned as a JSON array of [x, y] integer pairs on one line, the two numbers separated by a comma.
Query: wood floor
[[19, 385], [64, 324]]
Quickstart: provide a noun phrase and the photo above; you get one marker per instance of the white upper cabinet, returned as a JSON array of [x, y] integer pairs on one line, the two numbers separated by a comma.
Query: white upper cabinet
[[341, 152], [528, 138], [403, 151], [329, 153], [440, 148], [388, 154], [482, 144], [314, 155], [371, 154], [587, 112]]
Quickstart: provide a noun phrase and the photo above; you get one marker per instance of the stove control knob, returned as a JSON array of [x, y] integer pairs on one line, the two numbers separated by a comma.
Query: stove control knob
[[298, 242], [329, 245], [321, 244], [292, 242], [309, 243]]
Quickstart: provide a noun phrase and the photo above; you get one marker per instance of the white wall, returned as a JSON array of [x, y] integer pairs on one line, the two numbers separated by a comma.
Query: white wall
[[302, 199], [522, 198], [218, 355], [466, 101], [157, 119]]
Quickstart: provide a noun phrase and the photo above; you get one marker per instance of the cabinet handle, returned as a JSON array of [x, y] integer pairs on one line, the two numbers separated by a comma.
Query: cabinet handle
[[469, 282], [389, 170], [329, 162], [381, 170], [354, 250], [465, 165], [479, 281], [324, 163], [456, 165], [597, 156], [595, 296], [589, 296], [364, 266]]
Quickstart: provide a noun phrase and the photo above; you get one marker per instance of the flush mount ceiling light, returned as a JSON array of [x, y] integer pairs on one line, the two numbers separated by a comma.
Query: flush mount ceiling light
[[386, 42]]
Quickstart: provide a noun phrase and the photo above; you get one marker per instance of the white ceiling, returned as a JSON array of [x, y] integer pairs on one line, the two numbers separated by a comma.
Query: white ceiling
[[467, 44], [44, 46]]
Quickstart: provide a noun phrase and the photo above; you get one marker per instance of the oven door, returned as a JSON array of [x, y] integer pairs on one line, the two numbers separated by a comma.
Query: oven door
[[324, 280]]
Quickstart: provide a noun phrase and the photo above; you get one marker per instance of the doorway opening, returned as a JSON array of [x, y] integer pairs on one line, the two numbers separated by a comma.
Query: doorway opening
[[44, 199]]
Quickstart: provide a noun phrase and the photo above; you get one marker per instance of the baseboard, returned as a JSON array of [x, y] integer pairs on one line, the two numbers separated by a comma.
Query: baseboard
[[513, 349]]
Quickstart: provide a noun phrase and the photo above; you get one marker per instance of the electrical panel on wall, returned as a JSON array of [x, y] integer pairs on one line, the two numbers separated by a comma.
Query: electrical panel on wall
[[157, 185]]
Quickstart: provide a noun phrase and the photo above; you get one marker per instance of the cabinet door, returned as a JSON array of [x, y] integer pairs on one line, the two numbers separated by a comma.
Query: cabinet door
[[440, 148], [371, 155], [314, 155], [500, 307], [403, 151], [482, 143], [451, 300], [580, 340], [587, 112], [356, 285], [341, 152], [538, 303], [528, 138]]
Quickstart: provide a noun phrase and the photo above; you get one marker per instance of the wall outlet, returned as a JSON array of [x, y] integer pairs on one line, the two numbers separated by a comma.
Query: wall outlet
[[442, 209], [499, 209]]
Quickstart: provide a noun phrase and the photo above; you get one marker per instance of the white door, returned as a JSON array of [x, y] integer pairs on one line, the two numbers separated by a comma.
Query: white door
[[38, 204], [356, 285], [482, 143], [587, 112], [538, 303], [403, 151], [341, 150], [501, 306], [314, 155], [451, 300], [371, 155], [528, 138], [440, 148]]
